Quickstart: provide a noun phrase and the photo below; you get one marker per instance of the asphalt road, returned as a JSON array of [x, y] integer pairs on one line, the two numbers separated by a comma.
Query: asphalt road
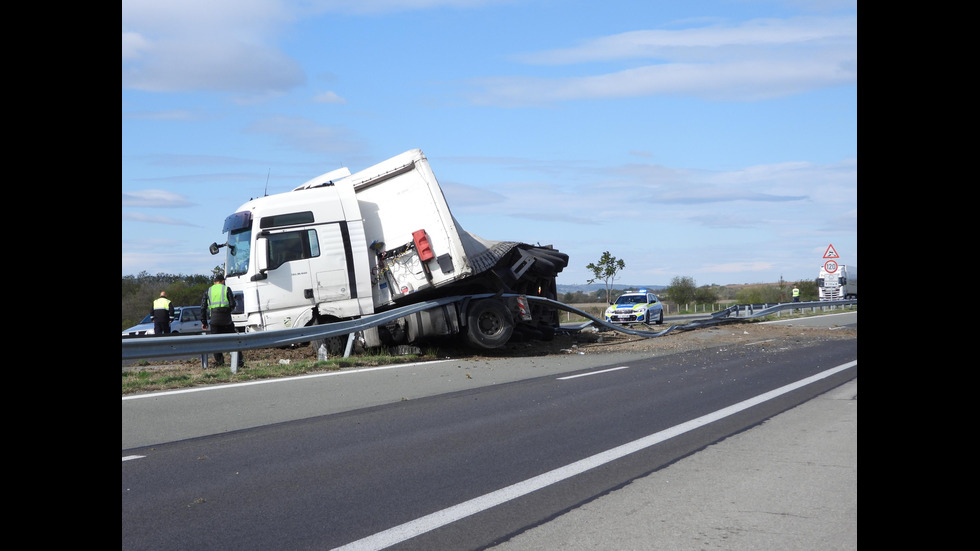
[[789, 483]]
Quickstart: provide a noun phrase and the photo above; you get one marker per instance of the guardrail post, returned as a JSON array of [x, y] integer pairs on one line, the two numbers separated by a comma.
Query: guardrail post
[[204, 361], [350, 344], [234, 362]]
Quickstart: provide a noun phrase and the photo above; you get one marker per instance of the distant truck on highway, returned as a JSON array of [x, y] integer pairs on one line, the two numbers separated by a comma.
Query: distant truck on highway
[[838, 285], [342, 246]]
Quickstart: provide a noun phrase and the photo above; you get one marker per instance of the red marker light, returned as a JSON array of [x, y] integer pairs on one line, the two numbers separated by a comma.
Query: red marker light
[[422, 245]]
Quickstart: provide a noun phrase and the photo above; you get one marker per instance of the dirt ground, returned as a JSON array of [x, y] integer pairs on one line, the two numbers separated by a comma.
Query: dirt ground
[[587, 342], [591, 342]]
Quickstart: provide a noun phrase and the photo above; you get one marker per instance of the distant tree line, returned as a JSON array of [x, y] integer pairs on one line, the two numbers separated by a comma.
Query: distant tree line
[[684, 290], [139, 292], [779, 292]]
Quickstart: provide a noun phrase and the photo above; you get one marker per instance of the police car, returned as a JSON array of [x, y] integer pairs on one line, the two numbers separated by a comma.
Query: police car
[[636, 307]]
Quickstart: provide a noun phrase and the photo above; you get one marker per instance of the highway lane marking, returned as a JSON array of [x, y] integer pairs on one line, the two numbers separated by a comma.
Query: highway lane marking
[[793, 320], [264, 381], [419, 526], [592, 373], [280, 380]]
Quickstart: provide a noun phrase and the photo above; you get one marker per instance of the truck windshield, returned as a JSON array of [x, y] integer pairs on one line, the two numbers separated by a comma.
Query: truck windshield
[[238, 226], [238, 252]]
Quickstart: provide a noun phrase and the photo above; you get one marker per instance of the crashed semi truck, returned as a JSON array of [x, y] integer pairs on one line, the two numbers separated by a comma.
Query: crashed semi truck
[[342, 246]]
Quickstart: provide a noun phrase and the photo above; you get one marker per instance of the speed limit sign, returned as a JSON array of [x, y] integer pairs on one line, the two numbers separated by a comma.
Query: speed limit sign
[[830, 266]]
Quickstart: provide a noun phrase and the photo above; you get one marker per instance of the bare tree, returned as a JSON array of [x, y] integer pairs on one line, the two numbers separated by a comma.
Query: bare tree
[[606, 270]]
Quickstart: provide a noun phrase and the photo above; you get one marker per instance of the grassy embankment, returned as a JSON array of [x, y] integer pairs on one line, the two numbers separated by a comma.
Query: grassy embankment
[[260, 364]]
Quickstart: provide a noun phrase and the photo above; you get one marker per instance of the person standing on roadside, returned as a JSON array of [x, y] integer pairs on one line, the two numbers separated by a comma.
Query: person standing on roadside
[[162, 312], [216, 309], [796, 294]]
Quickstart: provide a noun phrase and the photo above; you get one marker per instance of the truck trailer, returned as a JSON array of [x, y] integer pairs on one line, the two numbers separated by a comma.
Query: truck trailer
[[838, 285], [342, 246]]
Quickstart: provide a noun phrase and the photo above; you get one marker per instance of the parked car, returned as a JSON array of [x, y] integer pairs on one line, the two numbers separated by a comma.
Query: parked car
[[186, 321], [637, 307]]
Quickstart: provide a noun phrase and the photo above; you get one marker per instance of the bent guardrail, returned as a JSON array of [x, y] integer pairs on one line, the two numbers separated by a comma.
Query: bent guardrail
[[155, 347], [188, 345]]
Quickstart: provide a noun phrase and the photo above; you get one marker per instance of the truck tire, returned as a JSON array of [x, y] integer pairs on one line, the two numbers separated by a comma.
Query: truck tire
[[489, 324], [335, 345]]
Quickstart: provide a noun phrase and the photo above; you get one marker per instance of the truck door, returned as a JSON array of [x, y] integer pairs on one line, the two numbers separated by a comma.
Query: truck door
[[289, 282], [331, 266], [304, 267]]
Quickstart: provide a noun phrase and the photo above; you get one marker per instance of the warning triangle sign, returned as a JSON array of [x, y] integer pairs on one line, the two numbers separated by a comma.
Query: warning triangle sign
[[831, 252]]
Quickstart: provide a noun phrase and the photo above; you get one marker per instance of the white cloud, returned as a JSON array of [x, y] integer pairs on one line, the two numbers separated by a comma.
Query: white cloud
[[329, 97], [737, 267], [154, 198], [781, 195], [305, 135], [133, 45], [217, 46], [377, 7], [754, 61], [757, 37], [230, 46], [165, 115], [155, 219], [462, 195]]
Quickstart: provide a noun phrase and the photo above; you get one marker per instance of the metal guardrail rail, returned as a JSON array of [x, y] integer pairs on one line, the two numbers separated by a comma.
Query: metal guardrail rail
[[155, 347], [746, 312], [761, 310]]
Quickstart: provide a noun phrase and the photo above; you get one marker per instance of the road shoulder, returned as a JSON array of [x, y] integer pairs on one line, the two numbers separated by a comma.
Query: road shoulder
[[787, 484]]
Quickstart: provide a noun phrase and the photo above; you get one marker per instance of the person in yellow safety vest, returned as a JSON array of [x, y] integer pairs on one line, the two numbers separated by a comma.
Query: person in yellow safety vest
[[162, 312], [216, 309], [796, 294]]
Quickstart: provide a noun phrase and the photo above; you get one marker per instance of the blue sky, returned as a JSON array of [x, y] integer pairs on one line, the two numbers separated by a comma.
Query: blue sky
[[712, 139]]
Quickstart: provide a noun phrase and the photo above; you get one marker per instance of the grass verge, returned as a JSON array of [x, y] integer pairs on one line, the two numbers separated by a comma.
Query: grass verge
[[187, 374]]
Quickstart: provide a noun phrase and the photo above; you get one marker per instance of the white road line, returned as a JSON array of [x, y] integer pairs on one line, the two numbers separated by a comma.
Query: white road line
[[592, 373], [279, 380], [131, 457], [791, 320], [441, 518]]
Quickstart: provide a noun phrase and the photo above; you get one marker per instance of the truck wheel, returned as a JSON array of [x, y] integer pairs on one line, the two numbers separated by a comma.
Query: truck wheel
[[489, 324], [335, 345]]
